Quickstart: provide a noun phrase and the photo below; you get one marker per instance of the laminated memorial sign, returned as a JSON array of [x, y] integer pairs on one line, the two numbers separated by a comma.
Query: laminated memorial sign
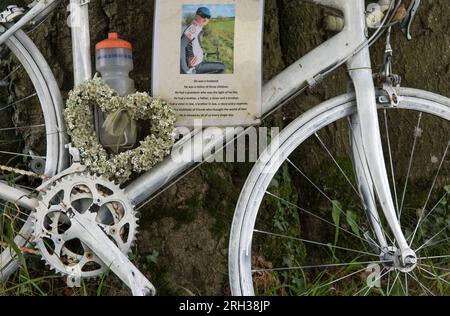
[[207, 58]]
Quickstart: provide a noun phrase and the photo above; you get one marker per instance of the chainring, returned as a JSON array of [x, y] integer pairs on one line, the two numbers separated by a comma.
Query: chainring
[[91, 196]]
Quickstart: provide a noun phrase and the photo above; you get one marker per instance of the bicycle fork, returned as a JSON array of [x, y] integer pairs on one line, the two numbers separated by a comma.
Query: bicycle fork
[[369, 161]]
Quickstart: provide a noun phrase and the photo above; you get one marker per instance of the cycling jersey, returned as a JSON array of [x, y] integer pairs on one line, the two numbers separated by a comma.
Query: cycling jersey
[[192, 55], [194, 50]]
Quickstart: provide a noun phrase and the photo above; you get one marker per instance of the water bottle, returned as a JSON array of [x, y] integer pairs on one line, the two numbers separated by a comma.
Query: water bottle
[[114, 61]]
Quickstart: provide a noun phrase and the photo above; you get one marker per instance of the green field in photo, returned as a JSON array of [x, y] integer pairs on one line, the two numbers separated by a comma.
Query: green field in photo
[[219, 36]]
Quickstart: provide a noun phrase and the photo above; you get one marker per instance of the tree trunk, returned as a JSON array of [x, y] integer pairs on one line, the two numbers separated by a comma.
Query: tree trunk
[[188, 225]]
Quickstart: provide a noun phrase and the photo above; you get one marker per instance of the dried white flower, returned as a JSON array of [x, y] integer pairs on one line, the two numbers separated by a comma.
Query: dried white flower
[[140, 106]]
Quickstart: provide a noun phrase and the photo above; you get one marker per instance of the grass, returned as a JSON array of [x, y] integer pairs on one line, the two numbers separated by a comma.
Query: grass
[[343, 214], [29, 280], [219, 35]]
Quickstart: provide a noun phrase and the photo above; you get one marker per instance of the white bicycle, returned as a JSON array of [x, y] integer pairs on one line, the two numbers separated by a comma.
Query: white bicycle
[[369, 213]]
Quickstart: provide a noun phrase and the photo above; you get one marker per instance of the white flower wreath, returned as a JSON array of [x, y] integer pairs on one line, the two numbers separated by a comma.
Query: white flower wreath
[[140, 106]]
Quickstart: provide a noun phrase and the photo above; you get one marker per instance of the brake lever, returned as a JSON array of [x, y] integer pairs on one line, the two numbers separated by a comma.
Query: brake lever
[[408, 20]]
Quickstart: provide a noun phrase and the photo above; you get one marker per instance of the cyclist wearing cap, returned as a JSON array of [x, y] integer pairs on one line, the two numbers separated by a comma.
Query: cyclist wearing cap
[[191, 49]]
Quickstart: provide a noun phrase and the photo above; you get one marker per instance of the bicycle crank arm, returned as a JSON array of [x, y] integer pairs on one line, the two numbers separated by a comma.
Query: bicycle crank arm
[[92, 235]]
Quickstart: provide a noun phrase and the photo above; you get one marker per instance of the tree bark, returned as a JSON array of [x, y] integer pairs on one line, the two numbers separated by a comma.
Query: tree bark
[[189, 224]]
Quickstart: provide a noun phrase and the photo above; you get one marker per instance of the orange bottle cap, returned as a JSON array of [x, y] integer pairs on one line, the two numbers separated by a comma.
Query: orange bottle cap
[[113, 41]]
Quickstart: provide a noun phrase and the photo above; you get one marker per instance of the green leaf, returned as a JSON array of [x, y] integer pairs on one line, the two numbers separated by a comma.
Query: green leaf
[[336, 214], [352, 220], [153, 258], [279, 225], [274, 184]]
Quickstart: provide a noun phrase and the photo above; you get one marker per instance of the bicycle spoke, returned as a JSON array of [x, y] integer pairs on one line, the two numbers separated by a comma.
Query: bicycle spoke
[[21, 127], [18, 102], [337, 165], [424, 288], [436, 243], [368, 287], [429, 240], [401, 285], [11, 73], [367, 292], [318, 266], [21, 155], [388, 282], [321, 219], [431, 211], [417, 132], [10, 142], [406, 284], [335, 281], [441, 164], [435, 276], [314, 242], [434, 257], [435, 267], [324, 194], [391, 161], [393, 283], [429, 194]]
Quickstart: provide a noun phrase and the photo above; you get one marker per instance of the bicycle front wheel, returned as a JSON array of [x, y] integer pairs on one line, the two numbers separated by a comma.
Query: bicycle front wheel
[[301, 226], [32, 139]]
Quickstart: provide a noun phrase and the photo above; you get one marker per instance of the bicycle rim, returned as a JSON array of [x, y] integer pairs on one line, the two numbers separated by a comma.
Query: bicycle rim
[[32, 137]]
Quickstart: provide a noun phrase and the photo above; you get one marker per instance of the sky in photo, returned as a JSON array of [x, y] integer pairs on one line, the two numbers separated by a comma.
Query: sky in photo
[[225, 10]]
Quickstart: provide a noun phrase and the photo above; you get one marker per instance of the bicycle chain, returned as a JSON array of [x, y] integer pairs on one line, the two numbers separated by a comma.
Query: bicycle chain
[[24, 173]]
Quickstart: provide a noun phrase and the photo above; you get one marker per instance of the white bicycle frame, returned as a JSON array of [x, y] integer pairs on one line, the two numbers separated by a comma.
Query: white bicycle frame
[[306, 71]]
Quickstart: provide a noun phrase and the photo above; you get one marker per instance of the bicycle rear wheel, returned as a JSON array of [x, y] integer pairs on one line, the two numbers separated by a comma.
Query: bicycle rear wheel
[[300, 226], [32, 138]]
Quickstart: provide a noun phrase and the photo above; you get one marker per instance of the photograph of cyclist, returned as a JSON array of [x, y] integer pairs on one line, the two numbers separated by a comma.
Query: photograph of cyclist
[[195, 59]]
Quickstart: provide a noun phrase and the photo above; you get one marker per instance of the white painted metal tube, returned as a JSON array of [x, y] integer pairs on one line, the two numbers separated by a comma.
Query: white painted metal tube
[[19, 197], [81, 40]]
